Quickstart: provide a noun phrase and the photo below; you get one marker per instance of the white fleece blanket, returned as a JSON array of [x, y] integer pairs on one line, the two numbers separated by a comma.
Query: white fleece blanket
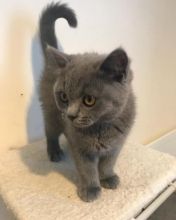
[[34, 188]]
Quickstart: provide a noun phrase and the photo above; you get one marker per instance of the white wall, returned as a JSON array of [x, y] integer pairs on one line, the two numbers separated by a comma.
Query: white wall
[[146, 29]]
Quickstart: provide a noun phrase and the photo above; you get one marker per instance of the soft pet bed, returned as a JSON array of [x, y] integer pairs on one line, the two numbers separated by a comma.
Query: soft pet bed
[[35, 188]]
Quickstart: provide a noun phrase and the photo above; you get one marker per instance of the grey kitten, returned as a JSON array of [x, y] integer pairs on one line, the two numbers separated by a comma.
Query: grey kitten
[[89, 98]]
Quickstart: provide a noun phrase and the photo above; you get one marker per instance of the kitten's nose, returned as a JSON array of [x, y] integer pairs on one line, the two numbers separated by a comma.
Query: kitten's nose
[[72, 111]]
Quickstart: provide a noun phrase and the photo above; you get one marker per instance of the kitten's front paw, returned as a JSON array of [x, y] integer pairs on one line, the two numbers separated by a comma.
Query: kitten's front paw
[[89, 194], [56, 156], [110, 182]]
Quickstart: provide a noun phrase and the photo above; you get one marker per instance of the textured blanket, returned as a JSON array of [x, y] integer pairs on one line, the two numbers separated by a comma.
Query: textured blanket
[[35, 188]]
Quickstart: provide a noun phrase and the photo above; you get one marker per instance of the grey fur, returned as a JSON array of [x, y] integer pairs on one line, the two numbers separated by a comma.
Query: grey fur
[[95, 134]]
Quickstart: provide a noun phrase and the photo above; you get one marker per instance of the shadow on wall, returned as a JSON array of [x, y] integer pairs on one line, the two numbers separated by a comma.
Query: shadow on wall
[[35, 125], [34, 115]]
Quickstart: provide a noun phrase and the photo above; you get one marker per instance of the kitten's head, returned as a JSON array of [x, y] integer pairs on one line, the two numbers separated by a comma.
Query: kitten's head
[[90, 87]]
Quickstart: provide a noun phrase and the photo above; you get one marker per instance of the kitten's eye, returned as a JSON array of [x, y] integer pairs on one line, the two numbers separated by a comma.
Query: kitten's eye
[[63, 97], [89, 100]]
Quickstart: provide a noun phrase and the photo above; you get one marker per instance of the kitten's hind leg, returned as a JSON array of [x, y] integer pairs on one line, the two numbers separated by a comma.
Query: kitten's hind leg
[[53, 128], [55, 153]]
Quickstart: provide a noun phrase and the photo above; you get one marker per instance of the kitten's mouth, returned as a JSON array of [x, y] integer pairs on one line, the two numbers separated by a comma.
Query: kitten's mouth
[[82, 122]]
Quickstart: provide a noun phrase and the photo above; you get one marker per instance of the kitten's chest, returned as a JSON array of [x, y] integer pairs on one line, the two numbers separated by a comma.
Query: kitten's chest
[[107, 139], [101, 139]]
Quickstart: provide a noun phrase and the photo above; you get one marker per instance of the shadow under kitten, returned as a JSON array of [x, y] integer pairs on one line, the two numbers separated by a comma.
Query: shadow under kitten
[[36, 160]]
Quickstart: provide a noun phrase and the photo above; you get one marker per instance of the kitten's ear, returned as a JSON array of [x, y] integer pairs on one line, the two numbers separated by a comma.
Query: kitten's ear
[[115, 66], [56, 58]]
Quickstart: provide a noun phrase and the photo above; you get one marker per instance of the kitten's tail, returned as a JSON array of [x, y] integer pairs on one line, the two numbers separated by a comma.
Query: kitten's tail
[[47, 22]]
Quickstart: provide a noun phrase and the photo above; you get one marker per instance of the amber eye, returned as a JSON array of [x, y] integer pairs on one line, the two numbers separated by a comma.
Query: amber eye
[[89, 100], [63, 97]]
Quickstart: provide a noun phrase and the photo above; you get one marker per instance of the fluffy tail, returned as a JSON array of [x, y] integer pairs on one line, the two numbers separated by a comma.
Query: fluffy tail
[[47, 23]]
